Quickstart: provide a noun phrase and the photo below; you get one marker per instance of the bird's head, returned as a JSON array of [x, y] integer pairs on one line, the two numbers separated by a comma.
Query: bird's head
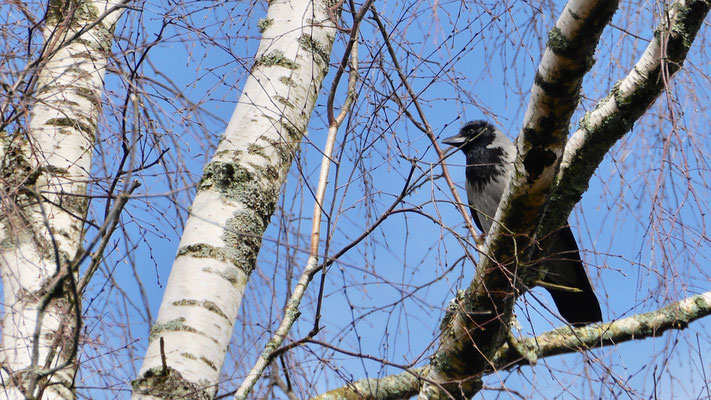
[[478, 135], [489, 153]]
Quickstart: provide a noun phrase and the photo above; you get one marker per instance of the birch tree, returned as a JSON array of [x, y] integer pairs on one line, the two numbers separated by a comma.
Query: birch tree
[[254, 201], [46, 169], [235, 199], [540, 147]]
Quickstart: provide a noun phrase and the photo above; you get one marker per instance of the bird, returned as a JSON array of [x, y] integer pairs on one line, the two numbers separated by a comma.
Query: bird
[[490, 159]]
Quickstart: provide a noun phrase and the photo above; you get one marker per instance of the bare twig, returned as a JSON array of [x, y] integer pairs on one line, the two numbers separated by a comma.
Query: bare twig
[[559, 341], [291, 313], [427, 129]]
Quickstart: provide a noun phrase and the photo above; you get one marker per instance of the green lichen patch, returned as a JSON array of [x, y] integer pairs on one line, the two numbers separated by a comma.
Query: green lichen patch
[[177, 324], [243, 239], [78, 12], [206, 304], [170, 384], [226, 178], [253, 186], [581, 46], [308, 43], [257, 189], [688, 22], [275, 58], [264, 24], [558, 43], [202, 250], [243, 235]]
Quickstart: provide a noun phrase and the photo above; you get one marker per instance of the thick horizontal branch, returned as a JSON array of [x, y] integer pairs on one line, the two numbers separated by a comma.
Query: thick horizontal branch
[[558, 341], [641, 326], [393, 387]]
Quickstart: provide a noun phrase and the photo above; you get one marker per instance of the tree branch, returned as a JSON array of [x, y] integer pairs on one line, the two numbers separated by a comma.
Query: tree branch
[[558, 341], [568, 340], [476, 323], [615, 115]]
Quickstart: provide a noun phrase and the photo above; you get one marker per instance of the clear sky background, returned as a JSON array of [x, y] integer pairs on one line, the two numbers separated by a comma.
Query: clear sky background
[[386, 296]]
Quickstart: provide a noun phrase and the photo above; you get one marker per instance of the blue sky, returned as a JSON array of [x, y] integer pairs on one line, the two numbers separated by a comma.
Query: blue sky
[[386, 296]]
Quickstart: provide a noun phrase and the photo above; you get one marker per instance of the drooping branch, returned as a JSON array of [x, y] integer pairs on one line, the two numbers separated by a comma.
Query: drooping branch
[[425, 127]]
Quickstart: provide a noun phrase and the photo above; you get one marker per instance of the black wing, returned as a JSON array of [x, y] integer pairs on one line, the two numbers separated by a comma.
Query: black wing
[[475, 216]]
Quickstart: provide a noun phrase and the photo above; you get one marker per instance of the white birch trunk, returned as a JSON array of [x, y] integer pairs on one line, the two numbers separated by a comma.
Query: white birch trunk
[[234, 202], [41, 229]]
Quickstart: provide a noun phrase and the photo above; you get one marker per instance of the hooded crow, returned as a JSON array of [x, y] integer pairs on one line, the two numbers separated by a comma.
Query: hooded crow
[[490, 156]]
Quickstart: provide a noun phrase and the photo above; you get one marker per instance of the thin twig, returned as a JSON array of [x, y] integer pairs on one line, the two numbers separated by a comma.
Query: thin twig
[[428, 131], [291, 313]]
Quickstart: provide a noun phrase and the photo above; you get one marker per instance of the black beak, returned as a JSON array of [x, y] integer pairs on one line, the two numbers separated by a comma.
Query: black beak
[[457, 140]]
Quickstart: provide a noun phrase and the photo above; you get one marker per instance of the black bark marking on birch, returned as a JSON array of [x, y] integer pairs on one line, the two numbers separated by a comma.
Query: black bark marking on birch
[[208, 363], [565, 85], [537, 160]]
